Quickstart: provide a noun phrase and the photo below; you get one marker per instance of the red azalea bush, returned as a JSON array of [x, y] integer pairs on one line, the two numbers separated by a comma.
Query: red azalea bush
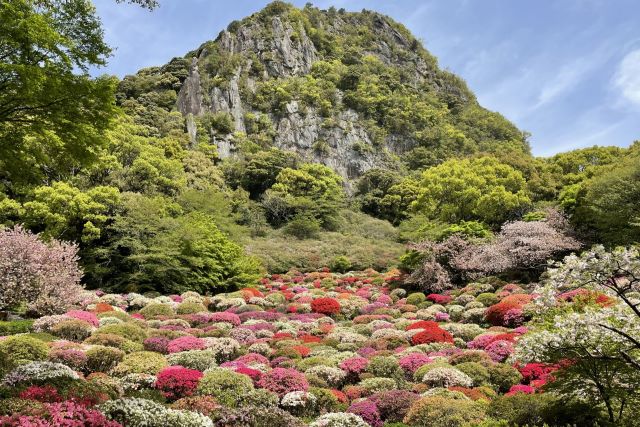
[[103, 307], [496, 314], [439, 299], [326, 306], [520, 388], [430, 335], [44, 394], [254, 374], [176, 381], [283, 380], [536, 371], [423, 324], [307, 339], [302, 350]]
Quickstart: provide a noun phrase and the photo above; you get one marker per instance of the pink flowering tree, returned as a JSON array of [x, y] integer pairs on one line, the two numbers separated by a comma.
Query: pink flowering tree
[[44, 276], [520, 246]]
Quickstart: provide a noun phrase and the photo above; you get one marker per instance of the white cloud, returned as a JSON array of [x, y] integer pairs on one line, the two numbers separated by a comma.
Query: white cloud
[[563, 82], [627, 77]]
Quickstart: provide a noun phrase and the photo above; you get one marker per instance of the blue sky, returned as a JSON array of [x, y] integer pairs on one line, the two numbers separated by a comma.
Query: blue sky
[[568, 71]]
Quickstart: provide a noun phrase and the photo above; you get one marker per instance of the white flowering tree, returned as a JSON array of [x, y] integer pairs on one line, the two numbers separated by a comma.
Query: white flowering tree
[[591, 356], [598, 346], [616, 273]]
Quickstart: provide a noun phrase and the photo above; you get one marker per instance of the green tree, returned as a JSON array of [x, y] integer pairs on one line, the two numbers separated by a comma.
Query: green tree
[[52, 114], [472, 189], [62, 211], [577, 165], [315, 190], [153, 245], [395, 204], [262, 168], [372, 187], [609, 203]]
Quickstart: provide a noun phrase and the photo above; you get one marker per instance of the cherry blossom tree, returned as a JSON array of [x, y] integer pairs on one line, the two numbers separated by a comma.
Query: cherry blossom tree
[[44, 276]]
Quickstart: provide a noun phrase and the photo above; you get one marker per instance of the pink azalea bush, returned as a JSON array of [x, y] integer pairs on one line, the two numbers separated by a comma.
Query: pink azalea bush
[[185, 343], [283, 380]]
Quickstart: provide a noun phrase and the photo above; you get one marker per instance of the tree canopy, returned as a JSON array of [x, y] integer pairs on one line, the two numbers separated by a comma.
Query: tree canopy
[[470, 189]]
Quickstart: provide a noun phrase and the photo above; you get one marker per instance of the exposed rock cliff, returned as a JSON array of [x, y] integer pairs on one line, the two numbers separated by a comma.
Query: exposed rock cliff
[[354, 91]]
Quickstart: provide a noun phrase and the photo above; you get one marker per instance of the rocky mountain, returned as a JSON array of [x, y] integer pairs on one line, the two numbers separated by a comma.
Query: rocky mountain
[[351, 90]]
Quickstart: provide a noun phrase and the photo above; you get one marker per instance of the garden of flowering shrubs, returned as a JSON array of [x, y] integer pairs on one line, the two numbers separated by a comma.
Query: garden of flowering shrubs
[[317, 349]]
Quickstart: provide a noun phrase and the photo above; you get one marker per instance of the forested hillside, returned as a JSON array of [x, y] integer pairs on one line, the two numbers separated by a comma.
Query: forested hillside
[[305, 218]]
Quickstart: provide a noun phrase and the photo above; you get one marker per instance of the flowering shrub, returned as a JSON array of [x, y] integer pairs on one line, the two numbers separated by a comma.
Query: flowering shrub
[[205, 405], [432, 335], [520, 388], [185, 343], [66, 414], [499, 350], [447, 377], [157, 344], [439, 299], [45, 276], [75, 359], [394, 404], [142, 412], [39, 373], [176, 381], [226, 386], [412, 361], [193, 359], [497, 313], [423, 324], [45, 394], [337, 419], [354, 365], [368, 411], [328, 306], [283, 380]]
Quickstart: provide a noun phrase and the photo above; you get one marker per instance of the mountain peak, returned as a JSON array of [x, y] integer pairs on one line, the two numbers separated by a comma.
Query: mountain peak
[[351, 90]]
